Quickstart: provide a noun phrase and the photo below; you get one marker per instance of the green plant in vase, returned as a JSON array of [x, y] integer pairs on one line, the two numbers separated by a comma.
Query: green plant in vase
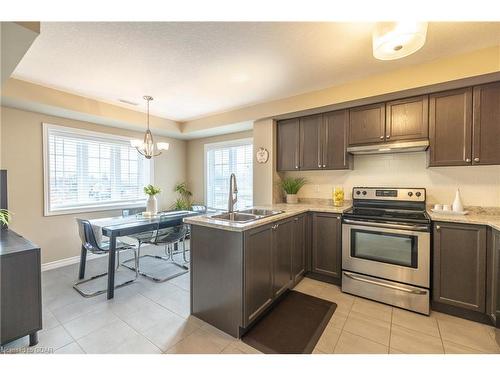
[[291, 186], [5, 217], [152, 204]]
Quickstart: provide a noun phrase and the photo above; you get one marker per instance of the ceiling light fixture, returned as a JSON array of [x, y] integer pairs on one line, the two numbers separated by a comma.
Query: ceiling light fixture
[[394, 40], [147, 147]]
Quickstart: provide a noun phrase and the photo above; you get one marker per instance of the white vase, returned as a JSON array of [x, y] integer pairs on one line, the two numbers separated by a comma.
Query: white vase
[[457, 205], [152, 205], [292, 198]]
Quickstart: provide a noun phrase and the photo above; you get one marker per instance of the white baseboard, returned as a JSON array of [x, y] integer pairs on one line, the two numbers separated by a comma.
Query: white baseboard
[[67, 261]]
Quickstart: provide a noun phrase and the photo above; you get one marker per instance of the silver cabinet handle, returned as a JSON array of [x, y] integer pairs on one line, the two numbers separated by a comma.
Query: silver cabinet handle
[[319, 165], [324, 165], [476, 159], [388, 136], [414, 227], [379, 283], [438, 227], [381, 137], [296, 167], [467, 160]]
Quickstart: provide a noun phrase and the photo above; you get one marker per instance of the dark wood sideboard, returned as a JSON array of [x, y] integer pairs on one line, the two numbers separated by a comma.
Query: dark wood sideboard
[[20, 288]]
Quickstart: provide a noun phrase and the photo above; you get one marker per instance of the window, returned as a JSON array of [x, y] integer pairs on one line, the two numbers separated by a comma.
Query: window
[[89, 171], [222, 159]]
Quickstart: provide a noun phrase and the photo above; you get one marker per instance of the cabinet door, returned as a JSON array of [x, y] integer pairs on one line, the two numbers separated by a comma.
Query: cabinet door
[[326, 244], [486, 124], [288, 145], [407, 119], [459, 273], [258, 271], [335, 128], [282, 257], [367, 124], [493, 278], [310, 147], [20, 294], [450, 128], [299, 248]]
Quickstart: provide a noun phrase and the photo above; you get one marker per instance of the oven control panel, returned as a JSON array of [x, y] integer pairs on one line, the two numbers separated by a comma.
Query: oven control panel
[[395, 194]]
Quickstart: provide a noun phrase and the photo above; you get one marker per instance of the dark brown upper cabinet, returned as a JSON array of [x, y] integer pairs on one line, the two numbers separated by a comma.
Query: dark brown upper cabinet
[[288, 134], [311, 142], [459, 271], [450, 125], [367, 124], [407, 119], [486, 124], [314, 142], [334, 135]]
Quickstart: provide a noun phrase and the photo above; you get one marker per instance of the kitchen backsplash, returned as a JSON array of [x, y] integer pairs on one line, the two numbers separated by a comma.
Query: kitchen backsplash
[[479, 185]]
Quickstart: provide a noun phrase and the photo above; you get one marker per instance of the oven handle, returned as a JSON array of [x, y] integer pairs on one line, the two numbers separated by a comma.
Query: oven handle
[[389, 226], [400, 288]]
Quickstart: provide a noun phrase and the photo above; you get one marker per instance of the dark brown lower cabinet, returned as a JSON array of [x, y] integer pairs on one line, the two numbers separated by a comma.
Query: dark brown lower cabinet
[[258, 271], [269, 251], [20, 288], [299, 248], [459, 269], [326, 244], [282, 256], [493, 278]]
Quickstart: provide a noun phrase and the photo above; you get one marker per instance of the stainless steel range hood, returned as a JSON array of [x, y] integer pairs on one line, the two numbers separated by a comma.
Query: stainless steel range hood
[[389, 148]]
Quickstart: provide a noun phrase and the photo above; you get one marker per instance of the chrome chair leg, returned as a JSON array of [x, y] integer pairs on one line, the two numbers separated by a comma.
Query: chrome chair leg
[[167, 258], [96, 293]]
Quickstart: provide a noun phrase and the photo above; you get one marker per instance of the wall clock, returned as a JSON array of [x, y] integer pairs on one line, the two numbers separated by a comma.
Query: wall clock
[[262, 155]]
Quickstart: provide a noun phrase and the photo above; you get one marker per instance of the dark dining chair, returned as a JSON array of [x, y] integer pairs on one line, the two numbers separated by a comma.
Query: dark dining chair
[[168, 237], [90, 244]]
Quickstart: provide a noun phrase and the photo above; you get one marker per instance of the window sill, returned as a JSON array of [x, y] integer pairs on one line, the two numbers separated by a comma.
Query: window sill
[[101, 208]]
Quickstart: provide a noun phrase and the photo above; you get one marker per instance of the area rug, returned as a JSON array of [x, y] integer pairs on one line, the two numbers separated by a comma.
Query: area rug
[[293, 326]]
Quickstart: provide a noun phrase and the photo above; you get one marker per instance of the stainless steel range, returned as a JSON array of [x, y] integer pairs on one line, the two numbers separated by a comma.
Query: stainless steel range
[[386, 247]]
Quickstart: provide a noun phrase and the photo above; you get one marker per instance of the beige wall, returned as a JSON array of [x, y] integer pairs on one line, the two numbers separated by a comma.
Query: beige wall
[[479, 185], [264, 175], [21, 155], [196, 159]]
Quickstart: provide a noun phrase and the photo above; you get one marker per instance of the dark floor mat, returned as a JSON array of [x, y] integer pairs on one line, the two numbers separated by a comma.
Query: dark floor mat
[[293, 326]]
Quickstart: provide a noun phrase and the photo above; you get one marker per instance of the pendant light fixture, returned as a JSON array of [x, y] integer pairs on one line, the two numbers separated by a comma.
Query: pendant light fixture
[[394, 40], [147, 147]]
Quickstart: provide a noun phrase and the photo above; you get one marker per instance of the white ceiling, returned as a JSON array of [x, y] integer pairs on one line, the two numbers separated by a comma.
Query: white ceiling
[[196, 69]]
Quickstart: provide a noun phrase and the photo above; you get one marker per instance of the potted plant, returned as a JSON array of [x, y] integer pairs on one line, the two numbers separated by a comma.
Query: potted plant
[[4, 217], [291, 187], [184, 201], [152, 203]]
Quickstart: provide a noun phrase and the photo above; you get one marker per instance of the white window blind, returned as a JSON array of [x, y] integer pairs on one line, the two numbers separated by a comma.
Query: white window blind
[[221, 160], [89, 171]]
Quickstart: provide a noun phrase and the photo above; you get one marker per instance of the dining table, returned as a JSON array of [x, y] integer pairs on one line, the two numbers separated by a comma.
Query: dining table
[[122, 226]]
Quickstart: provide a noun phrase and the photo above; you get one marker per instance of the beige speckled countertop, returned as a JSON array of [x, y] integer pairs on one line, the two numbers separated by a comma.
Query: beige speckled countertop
[[288, 210], [477, 215]]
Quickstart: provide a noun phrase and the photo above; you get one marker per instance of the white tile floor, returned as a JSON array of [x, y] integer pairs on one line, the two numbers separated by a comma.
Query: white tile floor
[[146, 317]]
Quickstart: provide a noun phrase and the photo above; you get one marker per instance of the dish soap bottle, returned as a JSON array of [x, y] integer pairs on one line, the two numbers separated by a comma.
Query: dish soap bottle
[[457, 205]]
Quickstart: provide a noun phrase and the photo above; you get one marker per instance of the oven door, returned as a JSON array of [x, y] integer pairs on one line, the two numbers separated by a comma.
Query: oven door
[[396, 252]]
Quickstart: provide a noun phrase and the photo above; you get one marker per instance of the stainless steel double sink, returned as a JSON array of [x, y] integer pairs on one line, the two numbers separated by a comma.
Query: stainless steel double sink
[[245, 216]]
